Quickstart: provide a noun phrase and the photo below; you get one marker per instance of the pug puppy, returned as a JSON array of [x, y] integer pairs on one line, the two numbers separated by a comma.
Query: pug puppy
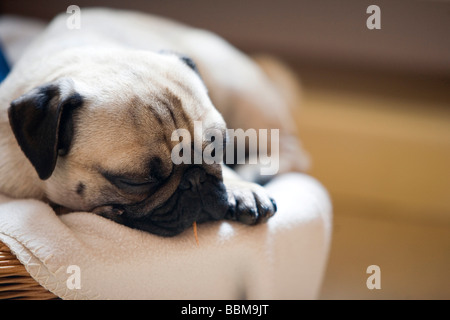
[[88, 116]]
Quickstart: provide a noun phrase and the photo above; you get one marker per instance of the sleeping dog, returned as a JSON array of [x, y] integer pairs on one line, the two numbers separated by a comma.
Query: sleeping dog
[[90, 119]]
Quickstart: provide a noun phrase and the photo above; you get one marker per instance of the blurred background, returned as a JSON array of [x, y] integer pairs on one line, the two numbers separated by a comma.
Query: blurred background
[[375, 119]]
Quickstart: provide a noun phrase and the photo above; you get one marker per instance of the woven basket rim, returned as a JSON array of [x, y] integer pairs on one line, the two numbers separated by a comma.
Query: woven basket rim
[[15, 281]]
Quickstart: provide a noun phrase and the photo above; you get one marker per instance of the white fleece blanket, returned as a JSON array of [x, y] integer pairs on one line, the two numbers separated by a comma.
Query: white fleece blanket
[[84, 256]]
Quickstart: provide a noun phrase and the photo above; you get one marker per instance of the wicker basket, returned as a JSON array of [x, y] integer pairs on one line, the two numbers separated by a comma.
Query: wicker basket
[[15, 282]]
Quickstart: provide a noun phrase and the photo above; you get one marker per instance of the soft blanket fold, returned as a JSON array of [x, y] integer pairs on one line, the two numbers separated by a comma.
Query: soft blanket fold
[[282, 259]]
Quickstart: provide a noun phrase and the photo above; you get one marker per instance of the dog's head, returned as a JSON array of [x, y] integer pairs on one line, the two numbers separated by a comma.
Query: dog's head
[[101, 136]]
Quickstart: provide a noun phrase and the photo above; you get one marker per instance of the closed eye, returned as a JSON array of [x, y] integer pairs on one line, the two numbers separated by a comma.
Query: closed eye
[[130, 183], [135, 183]]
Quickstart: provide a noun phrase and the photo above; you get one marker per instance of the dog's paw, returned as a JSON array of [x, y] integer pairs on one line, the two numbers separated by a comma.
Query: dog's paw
[[249, 203]]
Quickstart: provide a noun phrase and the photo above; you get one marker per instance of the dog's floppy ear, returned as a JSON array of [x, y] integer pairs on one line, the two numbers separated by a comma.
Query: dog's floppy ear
[[42, 123]]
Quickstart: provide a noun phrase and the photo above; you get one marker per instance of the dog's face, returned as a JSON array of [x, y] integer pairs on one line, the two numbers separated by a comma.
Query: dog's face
[[101, 138]]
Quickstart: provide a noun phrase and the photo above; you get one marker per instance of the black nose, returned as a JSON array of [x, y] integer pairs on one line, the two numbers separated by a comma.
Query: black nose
[[193, 178]]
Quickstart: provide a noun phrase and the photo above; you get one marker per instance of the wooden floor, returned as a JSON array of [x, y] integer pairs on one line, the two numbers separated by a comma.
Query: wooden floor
[[381, 145]]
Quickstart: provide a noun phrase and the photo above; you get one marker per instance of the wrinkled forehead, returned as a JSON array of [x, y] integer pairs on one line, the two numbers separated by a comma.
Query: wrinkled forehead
[[144, 79], [138, 112]]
